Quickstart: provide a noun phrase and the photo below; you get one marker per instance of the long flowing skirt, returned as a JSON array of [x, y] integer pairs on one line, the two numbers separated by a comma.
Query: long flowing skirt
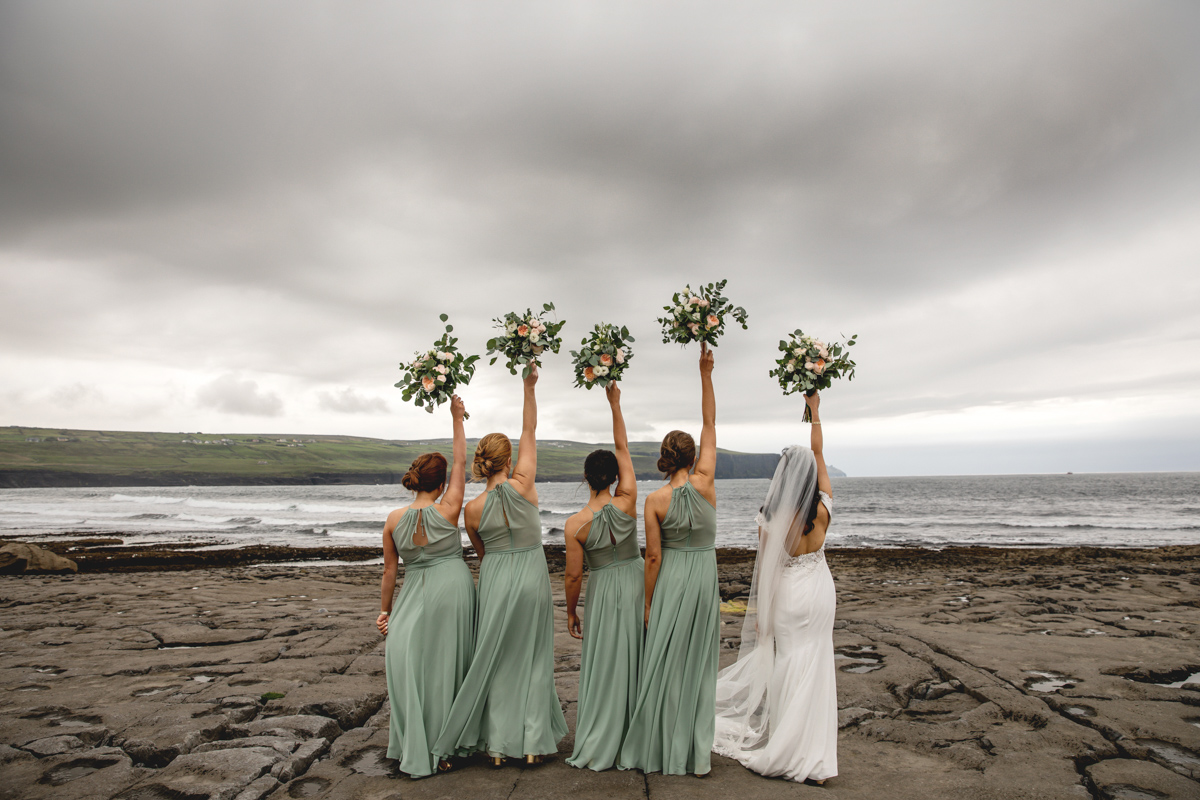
[[431, 635], [608, 670], [802, 695], [508, 705], [674, 717]]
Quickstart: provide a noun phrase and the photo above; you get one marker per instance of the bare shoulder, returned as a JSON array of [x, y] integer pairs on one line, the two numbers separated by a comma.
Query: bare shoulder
[[395, 516], [659, 499], [574, 524], [473, 510]]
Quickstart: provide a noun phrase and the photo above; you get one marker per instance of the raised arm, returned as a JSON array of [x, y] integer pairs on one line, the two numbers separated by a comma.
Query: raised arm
[[573, 576], [525, 471], [626, 478], [391, 564], [452, 499], [706, 462], [818, 444]]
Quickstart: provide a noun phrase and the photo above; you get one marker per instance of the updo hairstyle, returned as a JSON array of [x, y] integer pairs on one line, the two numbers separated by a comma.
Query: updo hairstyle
[[492, 454], [427, 473], [678, 452], [600, 469]]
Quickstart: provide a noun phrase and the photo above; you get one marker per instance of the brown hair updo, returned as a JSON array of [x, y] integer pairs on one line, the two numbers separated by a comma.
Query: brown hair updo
[[428, 472], [492, 454], [600, 469], [678, 451]]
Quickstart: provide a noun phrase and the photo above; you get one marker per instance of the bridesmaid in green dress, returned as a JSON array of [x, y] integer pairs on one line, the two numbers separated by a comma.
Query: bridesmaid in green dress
[[508, 705], [430, 628], [604, 534], [675, 713]]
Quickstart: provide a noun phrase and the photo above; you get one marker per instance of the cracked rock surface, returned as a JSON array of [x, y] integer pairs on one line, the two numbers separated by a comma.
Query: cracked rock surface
[[1067, 673]]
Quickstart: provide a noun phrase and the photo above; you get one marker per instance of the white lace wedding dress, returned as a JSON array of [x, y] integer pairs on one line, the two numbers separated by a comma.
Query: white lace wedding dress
[[777, 706]]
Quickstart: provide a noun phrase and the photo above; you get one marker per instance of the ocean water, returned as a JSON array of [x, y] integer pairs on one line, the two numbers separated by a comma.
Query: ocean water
[[1106, 510]]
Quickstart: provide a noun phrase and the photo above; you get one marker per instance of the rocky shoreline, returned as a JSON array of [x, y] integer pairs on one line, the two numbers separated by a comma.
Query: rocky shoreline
[[1052, 673]]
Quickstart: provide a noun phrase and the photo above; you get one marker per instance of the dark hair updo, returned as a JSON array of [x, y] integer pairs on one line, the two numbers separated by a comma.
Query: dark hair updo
[[600, 469], [678, 452], [428, 472]]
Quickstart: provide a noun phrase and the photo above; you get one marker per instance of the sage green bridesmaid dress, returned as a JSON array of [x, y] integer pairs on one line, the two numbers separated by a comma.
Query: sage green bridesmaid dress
[[612, 638], [430, 639], [675, 715], [508, 705]]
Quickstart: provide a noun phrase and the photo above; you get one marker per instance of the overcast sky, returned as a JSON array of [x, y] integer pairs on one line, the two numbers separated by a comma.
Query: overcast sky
[[239, 217]]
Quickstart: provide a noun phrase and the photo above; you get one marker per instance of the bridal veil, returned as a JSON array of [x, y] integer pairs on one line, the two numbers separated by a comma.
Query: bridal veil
[[743, 716]]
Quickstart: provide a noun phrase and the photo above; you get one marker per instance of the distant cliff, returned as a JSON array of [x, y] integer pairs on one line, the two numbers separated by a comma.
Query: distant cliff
[[40, 457]]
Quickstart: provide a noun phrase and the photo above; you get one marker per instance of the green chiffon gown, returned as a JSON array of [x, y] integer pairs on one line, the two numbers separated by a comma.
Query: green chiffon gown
[[675, 714], [431, 635], [612, 638], [508, 705]]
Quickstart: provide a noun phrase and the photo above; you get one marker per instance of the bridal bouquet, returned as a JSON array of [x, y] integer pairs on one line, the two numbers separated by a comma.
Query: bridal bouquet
[[524, 338], [809, 364], [603, 357], [699, 316], [433, 376]]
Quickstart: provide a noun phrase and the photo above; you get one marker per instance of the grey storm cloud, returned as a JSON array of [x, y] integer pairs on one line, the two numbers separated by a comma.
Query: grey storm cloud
[[299, 189], [234, 395], [348, 401]]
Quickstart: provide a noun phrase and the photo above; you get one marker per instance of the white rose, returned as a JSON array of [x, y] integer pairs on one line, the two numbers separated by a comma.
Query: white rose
[[824, 353], [791, 368], [601, 371], [447, 357], [798, 351]]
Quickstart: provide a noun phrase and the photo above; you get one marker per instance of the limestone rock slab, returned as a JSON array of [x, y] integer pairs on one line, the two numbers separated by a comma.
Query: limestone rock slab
[[220, 775]]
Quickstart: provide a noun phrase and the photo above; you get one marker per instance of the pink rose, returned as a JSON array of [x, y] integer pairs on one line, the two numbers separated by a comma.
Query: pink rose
[[713, 321], [694, 327], [427, 383], [620, 355], [606, 360], [589, 374], [703, 303], [694, 301], [522, 330], [819, 367]]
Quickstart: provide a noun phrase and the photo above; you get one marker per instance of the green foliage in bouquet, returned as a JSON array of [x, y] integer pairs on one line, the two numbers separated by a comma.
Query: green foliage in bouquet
[[431, 377], [603, 357], [699, 316], [809, 365], [523, 338]]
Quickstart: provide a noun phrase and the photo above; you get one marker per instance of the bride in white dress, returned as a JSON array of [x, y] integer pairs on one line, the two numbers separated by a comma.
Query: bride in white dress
[[777, 706]]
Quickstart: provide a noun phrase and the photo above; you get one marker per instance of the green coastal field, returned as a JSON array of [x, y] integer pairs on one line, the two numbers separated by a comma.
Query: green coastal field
[[65, 457]]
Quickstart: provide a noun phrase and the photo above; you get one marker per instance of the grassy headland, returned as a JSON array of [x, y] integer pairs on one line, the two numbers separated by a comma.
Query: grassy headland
[[63, 457]]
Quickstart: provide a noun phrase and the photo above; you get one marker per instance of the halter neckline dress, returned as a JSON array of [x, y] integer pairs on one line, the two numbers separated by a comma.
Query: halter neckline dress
[[675, 714], [430, 639], [612, 638], [508, 704]]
